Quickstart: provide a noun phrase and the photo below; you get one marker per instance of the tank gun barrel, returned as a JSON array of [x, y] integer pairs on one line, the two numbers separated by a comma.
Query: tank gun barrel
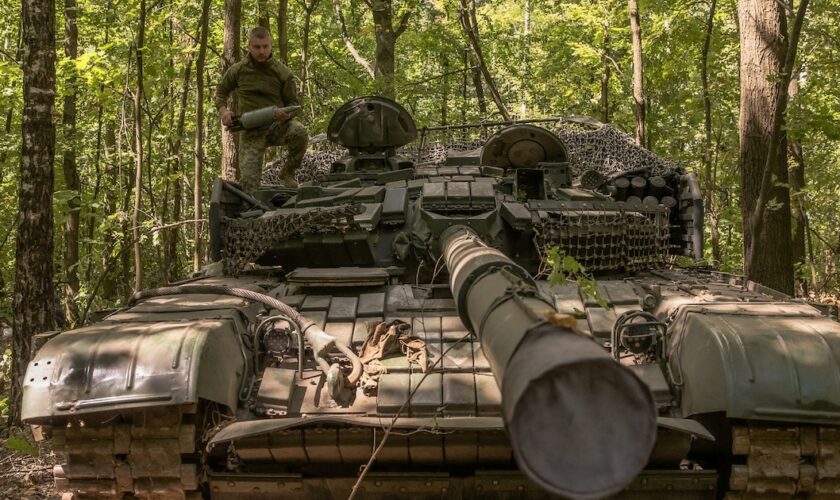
[[580, 424]]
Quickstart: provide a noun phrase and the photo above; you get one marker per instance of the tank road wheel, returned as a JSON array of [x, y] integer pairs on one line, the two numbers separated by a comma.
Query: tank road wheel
[[785, 461], [150, 453]]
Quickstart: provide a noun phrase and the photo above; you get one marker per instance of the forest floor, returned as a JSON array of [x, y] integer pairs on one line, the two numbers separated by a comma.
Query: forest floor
[[26, 468]]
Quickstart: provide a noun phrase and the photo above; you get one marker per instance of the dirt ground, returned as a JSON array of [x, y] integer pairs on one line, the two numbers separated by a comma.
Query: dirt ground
[[23, 475]]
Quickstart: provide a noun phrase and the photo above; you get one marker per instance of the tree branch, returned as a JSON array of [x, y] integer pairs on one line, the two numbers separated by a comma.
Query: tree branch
[[115, 258], [403, 24], [349, 43], [472, 36], [336, 62], [834, 250]]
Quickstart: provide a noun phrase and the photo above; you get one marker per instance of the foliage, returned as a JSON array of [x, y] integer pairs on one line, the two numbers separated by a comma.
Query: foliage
[[565, 269], [18, 442], [5, 377]]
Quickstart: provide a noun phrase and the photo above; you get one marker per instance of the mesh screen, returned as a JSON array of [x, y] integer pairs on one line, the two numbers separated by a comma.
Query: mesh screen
[[605, 240]]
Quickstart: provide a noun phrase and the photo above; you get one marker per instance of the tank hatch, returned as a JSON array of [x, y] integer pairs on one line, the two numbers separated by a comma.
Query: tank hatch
[[371, 124], [523, 146], [371, 128]]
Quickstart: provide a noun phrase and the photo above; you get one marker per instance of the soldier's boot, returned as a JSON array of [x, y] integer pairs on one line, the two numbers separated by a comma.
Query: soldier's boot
[[288, 176]]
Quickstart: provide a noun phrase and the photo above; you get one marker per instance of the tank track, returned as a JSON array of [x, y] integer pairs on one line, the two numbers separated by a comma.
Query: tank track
[[785, 461], [145, 454]]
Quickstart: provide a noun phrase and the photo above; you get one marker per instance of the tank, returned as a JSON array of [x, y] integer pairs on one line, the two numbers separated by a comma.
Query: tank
[[498, 310]]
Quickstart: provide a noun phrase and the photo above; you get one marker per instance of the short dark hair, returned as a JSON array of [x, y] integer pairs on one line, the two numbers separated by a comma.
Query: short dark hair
[[259, 32]]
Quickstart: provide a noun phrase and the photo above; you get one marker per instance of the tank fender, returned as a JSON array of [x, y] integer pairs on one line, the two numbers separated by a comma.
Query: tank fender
[[771, 361], [120, 365]]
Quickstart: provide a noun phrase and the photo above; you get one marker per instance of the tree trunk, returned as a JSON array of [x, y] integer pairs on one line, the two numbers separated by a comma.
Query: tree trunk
[[125, 181], [465, 63], [34, 295], [606, 70], [308, 9], [708, 156], [638, 71], [263, 14], [109, 148], [198, 254], [232, 51], [479, 87], [802, 247], [138, 153], [444, 101], [283, 31], [386, 40], [765, 66], [170, 94], [468, 22], [526, 60], [170, 254], [97, 163], [476, 71], [70, 170]]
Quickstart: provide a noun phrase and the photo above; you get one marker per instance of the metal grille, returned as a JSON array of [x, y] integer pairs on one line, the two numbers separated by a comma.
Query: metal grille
[[605, 240]]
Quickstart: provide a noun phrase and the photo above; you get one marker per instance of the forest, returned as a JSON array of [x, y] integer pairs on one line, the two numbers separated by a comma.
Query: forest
[[110, 141]]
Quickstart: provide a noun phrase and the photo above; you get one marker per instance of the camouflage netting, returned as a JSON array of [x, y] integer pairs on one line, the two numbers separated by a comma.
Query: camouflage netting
[[603, 148], [245, 240]]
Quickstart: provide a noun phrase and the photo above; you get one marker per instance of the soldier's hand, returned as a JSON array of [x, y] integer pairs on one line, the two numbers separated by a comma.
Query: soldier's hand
[[227, 117], [282, 115]]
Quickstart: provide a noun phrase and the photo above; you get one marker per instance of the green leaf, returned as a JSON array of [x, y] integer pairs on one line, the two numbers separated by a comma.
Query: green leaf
[[21, 444]]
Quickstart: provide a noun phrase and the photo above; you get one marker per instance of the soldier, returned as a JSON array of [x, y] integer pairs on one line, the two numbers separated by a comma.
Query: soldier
[[263, 81]]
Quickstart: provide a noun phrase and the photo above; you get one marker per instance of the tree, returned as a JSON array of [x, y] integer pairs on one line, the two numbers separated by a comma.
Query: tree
[[386, 43], [171, 260], [198, 152], [768, 53], [638, 71], [138, 152], [263, 17], [348, 42], [283, 31], [34, 290], [232, 51], [708, 156], [606, 62], [568, 58], [70, 169], [470, 26], [308, 9]]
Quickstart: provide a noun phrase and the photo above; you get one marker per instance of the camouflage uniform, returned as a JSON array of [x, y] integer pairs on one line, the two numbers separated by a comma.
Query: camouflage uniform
[[258, 85], [252, 144]]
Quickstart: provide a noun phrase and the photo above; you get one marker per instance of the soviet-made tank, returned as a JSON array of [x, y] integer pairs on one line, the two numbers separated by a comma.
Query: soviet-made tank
[[485, 311]]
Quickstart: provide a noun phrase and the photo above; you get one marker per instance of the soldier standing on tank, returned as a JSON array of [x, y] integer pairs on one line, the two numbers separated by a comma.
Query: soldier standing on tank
[[263, 81]]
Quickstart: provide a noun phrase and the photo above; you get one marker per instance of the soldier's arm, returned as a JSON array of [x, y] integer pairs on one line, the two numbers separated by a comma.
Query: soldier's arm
[[289, 92], [227, 85]]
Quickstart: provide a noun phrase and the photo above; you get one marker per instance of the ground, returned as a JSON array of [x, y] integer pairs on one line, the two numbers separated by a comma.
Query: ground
[[26, 473]]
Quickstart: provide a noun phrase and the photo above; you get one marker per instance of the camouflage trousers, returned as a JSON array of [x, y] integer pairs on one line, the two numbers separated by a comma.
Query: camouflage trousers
[[252, 146]]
